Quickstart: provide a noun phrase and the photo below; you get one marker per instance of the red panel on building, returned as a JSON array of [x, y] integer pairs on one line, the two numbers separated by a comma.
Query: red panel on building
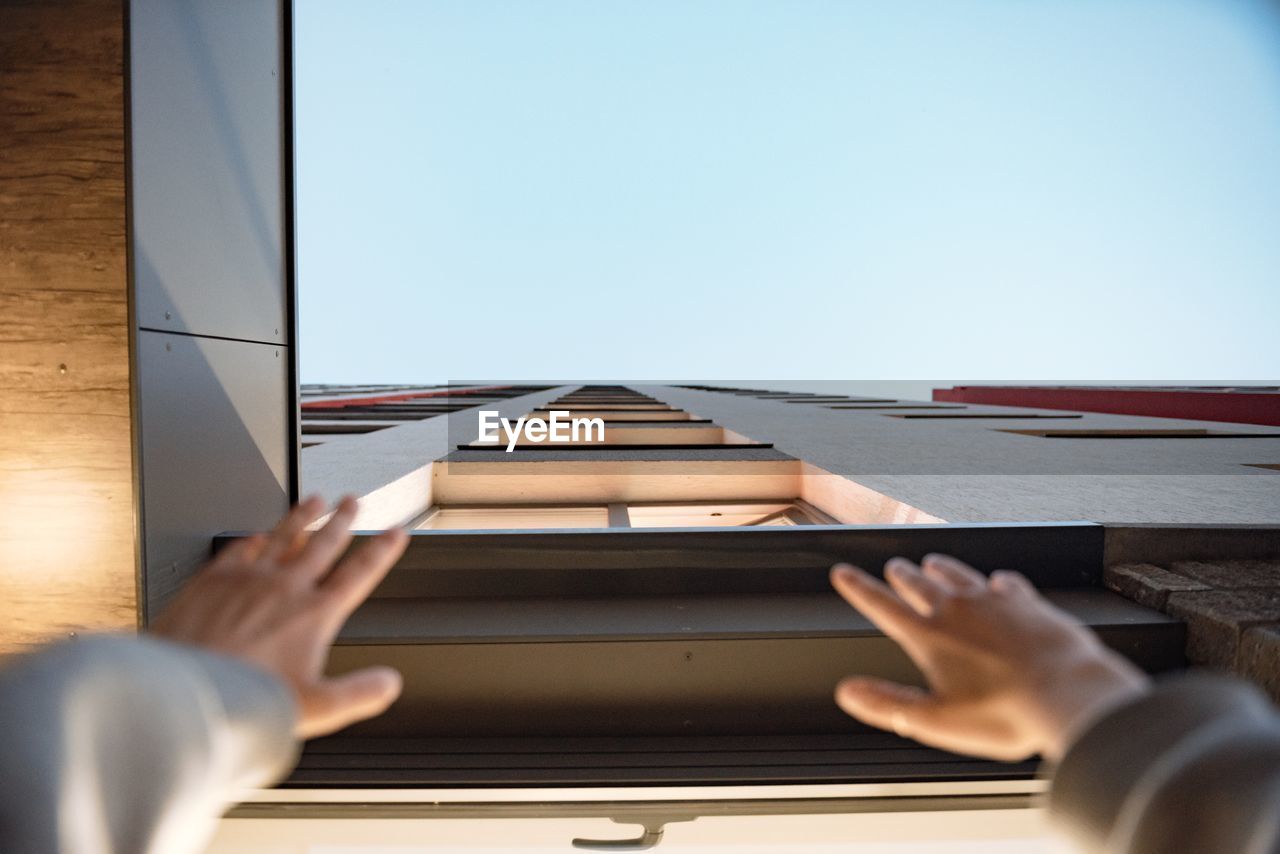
[[1235, 405]]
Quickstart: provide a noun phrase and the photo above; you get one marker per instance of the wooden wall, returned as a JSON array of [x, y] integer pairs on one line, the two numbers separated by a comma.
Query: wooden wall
[[66, 494]]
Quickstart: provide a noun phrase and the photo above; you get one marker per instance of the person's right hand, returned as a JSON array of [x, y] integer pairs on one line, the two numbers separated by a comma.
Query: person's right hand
[[277, 601], [1010, 676]]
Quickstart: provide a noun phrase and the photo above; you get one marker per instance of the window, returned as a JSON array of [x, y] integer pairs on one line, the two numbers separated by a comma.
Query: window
[[513, 518], [696, 514], [340, 428], [895, 405], [1146, 434], [978, 415], [745, 514], [631, 421]]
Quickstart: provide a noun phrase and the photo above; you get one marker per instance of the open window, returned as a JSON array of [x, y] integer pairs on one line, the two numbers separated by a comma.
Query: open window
[[706, 514], [618, 604]]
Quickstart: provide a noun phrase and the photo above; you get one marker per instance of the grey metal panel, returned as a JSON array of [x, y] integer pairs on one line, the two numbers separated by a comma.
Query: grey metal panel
[[215, 448], [207, 179], [749, 560], [854, 755], [501, 619], [732, 671]]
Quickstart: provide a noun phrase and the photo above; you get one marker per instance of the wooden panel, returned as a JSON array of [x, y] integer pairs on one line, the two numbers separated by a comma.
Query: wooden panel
[[66, 510], [506, 481]]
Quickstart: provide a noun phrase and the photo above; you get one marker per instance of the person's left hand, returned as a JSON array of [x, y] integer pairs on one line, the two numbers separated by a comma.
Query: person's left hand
[[277, 601]]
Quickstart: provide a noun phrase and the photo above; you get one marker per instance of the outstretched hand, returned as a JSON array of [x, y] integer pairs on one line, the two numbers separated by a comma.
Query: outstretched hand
[[1010, 676], [277, 601]]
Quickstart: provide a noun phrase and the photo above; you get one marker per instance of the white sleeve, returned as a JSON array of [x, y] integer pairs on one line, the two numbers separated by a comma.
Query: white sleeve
[[123, 744], [1192, 766]]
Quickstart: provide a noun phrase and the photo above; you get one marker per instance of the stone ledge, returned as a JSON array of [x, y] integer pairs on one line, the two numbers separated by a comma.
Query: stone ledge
[[1231, 607], [1231, 574], [1216, 620], [1148, 584], [1259, 657]]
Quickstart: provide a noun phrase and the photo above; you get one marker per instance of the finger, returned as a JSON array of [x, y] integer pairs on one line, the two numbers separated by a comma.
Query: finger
[[325, 546], [920, 592], [876, 602], [360, 572], [238, 552], [954, 574], [902, 709], [341, 701], [286, 534], [1014, 583]]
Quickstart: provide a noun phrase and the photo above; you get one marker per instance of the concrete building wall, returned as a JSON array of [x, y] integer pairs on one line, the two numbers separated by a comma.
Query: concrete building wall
[[970, 470]]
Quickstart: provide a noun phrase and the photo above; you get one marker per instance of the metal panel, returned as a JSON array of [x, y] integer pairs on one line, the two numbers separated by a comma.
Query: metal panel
[[740, 696], [854, 756], [215, 448], [207, 181], [724, 560], [639, 617], [666, 666]]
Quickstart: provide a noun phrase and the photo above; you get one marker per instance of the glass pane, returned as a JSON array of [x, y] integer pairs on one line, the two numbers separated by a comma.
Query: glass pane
[[706, 515], [500, 518]]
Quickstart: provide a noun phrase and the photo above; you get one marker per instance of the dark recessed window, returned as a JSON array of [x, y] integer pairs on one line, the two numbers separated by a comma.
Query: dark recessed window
[[892, 405], [974, 415], [1145, 434], [325, 428]]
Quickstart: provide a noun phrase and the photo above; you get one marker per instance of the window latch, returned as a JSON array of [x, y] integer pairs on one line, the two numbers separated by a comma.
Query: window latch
[[652, 835]]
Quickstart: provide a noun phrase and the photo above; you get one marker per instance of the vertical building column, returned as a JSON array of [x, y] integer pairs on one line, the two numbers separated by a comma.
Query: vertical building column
[[210, 249]]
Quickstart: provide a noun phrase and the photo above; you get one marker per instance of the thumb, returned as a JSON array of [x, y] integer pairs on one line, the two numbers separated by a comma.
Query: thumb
[[331, 704], [902, 709]]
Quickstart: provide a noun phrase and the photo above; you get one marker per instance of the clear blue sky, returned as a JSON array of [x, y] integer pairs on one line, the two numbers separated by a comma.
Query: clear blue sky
[[789, 189]]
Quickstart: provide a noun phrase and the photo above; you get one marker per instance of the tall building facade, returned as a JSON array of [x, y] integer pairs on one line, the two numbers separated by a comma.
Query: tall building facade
[[638, 588], [853, 460]]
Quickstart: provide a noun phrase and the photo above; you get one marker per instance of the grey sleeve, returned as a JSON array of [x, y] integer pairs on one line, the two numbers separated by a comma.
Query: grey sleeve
[[122, 744], [1192, 766]]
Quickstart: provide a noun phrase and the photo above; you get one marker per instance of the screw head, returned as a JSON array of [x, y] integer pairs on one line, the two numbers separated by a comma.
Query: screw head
[[62, 369]]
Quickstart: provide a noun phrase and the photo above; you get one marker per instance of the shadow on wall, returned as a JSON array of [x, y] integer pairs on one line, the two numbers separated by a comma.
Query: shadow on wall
[[215, 448]]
